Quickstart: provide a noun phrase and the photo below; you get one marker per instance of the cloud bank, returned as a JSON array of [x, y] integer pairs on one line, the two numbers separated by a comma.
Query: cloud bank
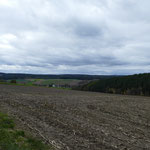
[[75, 37]]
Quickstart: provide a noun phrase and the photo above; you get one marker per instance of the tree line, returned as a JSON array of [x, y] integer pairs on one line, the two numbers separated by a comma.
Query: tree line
[[10, 76]]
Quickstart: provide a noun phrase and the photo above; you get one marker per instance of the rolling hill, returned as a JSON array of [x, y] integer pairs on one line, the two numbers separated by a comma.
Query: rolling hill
[[138, 84]]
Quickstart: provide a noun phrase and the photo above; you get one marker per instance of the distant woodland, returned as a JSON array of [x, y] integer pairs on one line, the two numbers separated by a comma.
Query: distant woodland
[[9, 76], [138, 84]]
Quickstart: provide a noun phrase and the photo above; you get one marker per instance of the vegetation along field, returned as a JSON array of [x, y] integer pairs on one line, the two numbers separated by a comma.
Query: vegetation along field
[[77, 120], [14, 139]]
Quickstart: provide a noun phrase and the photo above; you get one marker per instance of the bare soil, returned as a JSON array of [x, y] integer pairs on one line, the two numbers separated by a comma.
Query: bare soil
[[75, 120]]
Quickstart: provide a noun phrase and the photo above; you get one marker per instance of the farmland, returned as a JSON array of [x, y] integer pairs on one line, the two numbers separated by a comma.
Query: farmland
[[76, 120], [47, 82]]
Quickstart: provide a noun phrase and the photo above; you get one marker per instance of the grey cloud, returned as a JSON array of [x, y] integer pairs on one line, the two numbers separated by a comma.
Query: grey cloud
[[87, 30], [94, 37]]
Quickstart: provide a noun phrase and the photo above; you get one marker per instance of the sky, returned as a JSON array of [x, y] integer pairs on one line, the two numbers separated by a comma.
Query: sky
[[103, 37]]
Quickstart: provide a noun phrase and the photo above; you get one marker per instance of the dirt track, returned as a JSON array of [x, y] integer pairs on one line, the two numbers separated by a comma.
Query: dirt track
[[76, 120]]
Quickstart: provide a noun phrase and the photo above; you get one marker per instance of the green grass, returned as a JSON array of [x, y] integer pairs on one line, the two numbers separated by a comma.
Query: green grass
[[13, 139], [44, 81]]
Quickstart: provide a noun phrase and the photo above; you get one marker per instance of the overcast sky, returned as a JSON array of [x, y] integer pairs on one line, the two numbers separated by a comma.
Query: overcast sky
[[75, 36]]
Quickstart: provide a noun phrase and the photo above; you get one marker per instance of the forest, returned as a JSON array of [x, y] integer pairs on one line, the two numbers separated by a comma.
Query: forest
[[138, 84]]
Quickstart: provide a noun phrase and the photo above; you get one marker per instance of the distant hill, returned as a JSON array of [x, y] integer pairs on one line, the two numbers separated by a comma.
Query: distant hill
[[9, 76], [138, 84]]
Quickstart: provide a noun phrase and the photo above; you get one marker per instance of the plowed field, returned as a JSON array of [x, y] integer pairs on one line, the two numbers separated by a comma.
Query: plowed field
[[75, 120]]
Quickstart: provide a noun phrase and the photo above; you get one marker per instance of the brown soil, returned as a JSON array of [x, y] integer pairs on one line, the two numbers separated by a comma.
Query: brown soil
[[74, 120]]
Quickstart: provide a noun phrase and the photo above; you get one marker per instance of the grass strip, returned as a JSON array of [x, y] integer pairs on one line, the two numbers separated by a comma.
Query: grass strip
[[13, 139]]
